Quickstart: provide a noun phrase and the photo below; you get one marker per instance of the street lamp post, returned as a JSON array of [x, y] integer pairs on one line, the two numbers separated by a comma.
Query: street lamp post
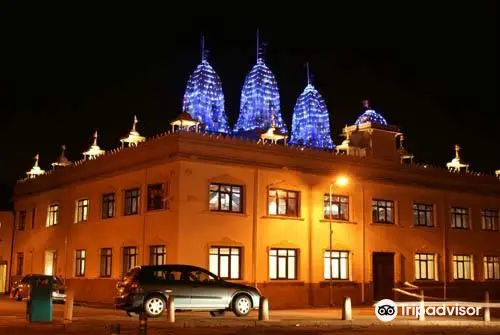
[[340, 181]]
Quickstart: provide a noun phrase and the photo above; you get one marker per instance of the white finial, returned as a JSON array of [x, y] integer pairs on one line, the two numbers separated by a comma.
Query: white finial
[[135, 122], [457, 150], [308, 76], [258, 44], [366, 104], [37, 157], [35, 170], [95, 138], [203, 56]]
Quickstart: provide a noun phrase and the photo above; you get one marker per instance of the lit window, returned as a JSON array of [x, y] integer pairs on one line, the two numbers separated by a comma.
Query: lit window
[[338, 209], [82, 210], [283, 264], [425, 266], [157, 255], [422, 215], [132, 202], [80, 258], [53, 215], [106, 261], [283, 203], [492, 267], [129, 258], [225, 262], [459, 218], [489, 219], [383, 211], [108, 205], [336, 265], [225, 198], [462, 267]]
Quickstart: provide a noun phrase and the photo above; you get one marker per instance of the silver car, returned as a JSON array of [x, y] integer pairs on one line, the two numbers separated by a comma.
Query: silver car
[[146, 288]]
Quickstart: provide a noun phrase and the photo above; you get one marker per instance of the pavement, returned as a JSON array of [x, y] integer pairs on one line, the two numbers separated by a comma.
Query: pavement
[[91, 320]]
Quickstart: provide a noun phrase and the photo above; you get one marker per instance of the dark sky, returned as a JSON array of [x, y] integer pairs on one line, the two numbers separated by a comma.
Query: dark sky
[[430, 69]]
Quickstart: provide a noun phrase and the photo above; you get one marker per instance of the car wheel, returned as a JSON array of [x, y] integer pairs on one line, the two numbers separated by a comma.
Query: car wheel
[[154, 306], [242, 305]]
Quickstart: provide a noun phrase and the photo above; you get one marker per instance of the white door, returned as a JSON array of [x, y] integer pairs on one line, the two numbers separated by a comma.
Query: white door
[[49, 262]]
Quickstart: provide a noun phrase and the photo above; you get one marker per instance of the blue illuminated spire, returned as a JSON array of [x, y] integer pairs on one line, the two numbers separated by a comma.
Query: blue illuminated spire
[[260, 99], [204, 98], [310, 121], [370, 115]]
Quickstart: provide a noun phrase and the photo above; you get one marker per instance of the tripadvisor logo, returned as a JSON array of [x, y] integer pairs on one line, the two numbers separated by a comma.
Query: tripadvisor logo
[[386, 310]]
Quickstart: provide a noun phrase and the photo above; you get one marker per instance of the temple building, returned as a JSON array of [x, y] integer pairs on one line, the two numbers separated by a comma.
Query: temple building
[[307, 227]]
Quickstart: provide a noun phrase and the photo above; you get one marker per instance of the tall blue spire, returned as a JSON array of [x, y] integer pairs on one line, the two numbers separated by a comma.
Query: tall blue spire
[[310, 121], [260, 99], [204, 98]]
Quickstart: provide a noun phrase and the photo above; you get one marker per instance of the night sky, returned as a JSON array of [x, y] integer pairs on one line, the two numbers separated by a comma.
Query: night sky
[[68, 71]]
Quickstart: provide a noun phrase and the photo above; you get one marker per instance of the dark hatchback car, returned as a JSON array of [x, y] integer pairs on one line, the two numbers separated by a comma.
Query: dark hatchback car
[[20, 289], [146, 288]]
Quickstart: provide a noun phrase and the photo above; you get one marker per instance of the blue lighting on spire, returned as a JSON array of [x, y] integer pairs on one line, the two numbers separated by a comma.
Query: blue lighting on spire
[[310, 121], [370, 115], [204, 98], [260, 99]]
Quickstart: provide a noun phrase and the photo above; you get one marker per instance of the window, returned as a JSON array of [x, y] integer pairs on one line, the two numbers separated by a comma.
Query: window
[[422, 215], [80, 258], [106, 262], [489, 219], [283, 264], [459, 218], [157, 255], [108, 205], [339, 207], [156, 195], [336, 265], [53, 215], [21, 224], [492, 267], [132, 201], [33, 216], [383, 211], [225, 198], [82, 210], [20, 263], [462, 267], [225, 262], [425, 266], [129, 258], [283, 203]]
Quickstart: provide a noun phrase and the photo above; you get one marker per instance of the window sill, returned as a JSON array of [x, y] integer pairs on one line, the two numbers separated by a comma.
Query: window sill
[[280, 217], [460, 229], [383, 224], [153, 211], [337, 221], [337, 282], [225, 213], [284, 281], [425, 227]]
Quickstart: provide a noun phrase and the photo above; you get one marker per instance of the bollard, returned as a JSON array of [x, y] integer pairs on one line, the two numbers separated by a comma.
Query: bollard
[[143, 323], [486, 313], [170, 309], [68, 306], [347, 309], [264, 309], [421, 310]]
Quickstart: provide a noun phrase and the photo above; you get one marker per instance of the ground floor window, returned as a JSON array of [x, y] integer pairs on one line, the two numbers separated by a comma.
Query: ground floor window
[[106, 258], [157, 255], [283, 263], [336, 264], [129, 258], [225, 262], [80, 258], [462, 267], [492, 267], [425, 266]]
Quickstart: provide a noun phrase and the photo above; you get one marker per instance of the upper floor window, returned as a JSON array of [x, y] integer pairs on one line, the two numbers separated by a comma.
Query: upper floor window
[[53, 215], [226, 198], [460, 218], [462, 267], [336, 207], [132, 201], [108, 205], [492, 267], [424, 266], [283, 263], [157, 255], [129, 258], [336, 265], [21, 224], [383, 211], [225, 262], [422, 215], [80, 259], [489, 219], [283, 202], [156, 196], [82, 210]]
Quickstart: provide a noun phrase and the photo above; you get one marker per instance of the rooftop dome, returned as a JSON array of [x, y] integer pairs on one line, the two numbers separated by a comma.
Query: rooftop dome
[[204, 98], [370, 115]]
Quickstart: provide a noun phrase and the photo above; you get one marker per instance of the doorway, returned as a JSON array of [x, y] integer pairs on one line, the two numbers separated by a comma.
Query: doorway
[[3, 278], [383, 275], [50, 262]]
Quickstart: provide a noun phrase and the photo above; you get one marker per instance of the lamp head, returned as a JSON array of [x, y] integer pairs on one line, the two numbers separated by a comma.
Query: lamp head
[[341, 181]]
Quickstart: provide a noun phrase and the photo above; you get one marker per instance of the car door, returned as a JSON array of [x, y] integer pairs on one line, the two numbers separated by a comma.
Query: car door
[[168, 282], [207, 291]]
